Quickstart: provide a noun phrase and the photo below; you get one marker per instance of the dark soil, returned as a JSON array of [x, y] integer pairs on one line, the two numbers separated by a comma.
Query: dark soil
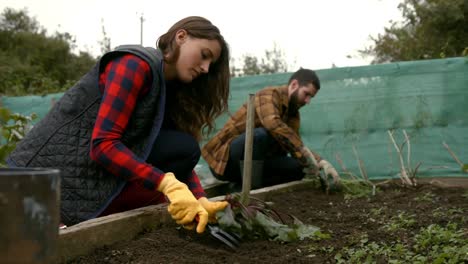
[[346, 220]]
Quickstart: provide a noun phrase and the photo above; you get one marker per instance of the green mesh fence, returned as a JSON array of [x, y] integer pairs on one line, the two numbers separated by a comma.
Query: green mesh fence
[[26, 105], [348, 122]]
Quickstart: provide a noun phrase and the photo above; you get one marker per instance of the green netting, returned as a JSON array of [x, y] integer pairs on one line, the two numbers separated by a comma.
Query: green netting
[[357, 107], [350, 117], [26, 105]]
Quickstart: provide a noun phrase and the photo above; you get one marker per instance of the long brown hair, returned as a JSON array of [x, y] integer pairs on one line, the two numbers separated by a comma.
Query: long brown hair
[[206, 97]]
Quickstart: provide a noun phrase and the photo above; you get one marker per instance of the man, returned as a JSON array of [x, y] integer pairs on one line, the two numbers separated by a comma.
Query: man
[[276, 135]]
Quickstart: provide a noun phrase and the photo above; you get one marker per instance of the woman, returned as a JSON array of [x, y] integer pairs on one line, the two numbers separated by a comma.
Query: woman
[[126, 135]]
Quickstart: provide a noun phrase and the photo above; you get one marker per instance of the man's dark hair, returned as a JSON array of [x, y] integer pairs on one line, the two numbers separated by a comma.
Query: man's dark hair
[[304, 77]]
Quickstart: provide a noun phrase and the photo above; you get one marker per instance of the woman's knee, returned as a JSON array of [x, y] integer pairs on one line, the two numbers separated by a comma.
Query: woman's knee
[[191, 147], [174, 146]]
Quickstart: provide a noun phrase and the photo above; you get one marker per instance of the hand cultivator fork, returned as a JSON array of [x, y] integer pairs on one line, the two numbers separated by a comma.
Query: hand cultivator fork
[[230, 239]]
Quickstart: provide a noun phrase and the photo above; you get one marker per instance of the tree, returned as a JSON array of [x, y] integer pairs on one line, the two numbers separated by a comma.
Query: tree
[[33, 62], [105, 42], [251, 66], [430, 29], [18, 21], [274, 61]]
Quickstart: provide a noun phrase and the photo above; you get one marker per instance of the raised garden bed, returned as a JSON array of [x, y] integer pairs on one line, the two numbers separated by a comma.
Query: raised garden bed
[[405, 224]]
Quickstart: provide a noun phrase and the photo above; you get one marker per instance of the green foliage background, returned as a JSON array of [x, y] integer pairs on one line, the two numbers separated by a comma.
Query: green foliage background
[[13, 127], [34, 62], [431, 29]]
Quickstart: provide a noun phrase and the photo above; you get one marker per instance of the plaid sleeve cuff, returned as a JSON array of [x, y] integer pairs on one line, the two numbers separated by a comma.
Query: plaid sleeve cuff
[[153, 180], [195, 186]]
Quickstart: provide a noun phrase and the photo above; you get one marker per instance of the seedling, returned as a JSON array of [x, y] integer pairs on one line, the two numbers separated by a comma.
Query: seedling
[[401, 221], [465, 195], [428, 197], [433, 244], [258, 220], [377, 211], [355, 187]]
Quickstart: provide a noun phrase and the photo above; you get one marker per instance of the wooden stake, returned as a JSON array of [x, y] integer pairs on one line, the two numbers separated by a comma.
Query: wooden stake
[[247, 170], [453, 154], [407, 139], [343, 167]]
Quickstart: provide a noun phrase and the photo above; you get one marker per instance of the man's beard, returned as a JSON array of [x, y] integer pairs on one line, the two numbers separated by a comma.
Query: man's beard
[[294, 102]]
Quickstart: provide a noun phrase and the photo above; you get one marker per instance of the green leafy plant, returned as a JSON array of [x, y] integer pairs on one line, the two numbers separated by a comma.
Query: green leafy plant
[[451, 214], [426, 197], [377, 211], [353, 189], [442, 244], [433, 244], [401, 221], [35, 62], [353, 186], [13, 127], [465, 168], [258, 220], [465, 194]]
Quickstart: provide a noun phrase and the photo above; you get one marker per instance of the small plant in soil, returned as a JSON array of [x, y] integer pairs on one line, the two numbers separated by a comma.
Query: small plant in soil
[[258, 220], [465, 195], [353, 189], [428, 197], [432, 244], [401, 221]]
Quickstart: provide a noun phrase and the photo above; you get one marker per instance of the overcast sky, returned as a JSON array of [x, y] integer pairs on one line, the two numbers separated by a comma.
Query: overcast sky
[[312, 33]]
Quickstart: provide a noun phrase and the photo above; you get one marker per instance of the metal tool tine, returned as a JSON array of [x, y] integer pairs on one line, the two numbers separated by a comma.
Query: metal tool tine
[[224, 237], [231, 237]]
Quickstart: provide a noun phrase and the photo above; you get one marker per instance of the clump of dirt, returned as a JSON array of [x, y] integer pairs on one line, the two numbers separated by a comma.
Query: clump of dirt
[[347, 220]]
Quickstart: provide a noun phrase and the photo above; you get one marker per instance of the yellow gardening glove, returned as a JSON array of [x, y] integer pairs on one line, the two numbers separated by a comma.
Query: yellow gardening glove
[[212, 208], [330, 171], [184, 207]]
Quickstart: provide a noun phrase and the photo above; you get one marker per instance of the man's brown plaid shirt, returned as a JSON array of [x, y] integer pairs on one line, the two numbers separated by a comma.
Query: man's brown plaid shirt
[[272, 113]]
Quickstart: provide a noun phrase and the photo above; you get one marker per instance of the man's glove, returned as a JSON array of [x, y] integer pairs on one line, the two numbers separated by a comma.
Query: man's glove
[[312, 167], [212, 208], [184, 207], [330, 171]]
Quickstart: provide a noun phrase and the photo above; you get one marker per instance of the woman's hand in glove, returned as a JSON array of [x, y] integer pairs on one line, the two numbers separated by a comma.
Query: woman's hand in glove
[[184, 208], [212, 208]]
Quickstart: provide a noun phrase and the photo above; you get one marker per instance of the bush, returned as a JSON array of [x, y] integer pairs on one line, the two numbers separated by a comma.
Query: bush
[[13, 127]]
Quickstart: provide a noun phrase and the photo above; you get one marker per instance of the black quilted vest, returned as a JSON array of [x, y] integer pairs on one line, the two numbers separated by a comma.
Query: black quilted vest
[[62, 138]]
